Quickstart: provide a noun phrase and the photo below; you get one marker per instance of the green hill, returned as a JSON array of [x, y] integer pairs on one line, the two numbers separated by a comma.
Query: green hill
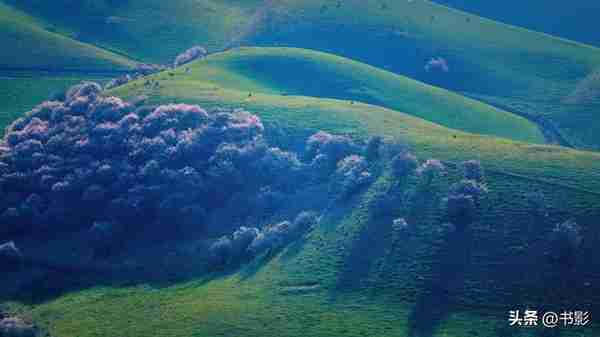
[[287, 71], [150, 30], [36, 63], [529, 73], [571, 21], [34, 48], [210, 83], [21, 91], [355, 274], [330, 283], [524, 71]]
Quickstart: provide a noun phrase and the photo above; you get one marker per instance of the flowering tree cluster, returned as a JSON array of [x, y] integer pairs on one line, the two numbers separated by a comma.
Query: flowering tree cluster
[[248, 242], [464, 196], [95, 158]]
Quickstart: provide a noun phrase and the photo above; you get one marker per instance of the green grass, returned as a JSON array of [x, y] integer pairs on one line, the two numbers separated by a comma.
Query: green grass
[[28, 46], [288, 71], [36, 63], [377, 294], [525, 71], [152, 30], [487, 58], [575, 168], [19, 92], [572, 20], [371, 275], [231, 307], [253, 300]]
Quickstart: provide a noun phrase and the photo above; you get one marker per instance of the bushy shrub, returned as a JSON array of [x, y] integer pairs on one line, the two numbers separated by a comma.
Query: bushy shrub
[[351, 174], [283, 168], [304, 221], [462, 201], [190, 55], [95, 159], [242, 239], [373, 150], [565, 242], [145, 69], [220, 251], [404, 164], [332, 147], [16, 327], [247, 242], [438, 64], [473, 170], [82, 91], [431, 169], [469, 188], [400, 223], [271, 237], [115, 82]]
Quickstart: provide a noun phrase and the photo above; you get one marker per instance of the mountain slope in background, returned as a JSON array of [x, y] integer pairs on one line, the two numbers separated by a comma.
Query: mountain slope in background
[[529, 73], [36, 63], [571, 20], [34, 48], [290, 71], [523, 71]]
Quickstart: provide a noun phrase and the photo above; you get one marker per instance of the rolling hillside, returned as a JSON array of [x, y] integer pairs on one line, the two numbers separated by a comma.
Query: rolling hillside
[[151, 31], [34, 48], [571, 21], [334, 282], [208, 83], [36, 63], [287, 71], [21, 91], [415, 72], [526, 72]]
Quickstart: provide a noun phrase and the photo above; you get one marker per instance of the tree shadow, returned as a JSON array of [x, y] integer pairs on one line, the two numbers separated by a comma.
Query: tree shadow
[[147, 261], [435, 300], [255, 265], [365, 250], [42, 277]]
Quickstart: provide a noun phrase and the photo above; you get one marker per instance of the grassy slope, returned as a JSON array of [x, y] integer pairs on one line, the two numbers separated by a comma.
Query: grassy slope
[[352, 300], [572, 20], [303, 72], [21, 91], [243, 305], [30, 46], [522, 70], [528, 71], [359, 119], [36, 63], [150, 30]]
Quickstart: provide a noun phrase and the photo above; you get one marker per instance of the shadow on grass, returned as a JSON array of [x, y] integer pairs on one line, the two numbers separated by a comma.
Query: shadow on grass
[[40, 279], [366, 249], [37, 284], [434, 303], [43, 278], [251, 269]]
